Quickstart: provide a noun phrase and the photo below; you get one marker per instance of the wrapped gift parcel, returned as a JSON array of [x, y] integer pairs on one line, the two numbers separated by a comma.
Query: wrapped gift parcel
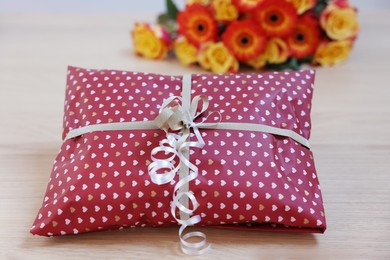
[[143, 149]]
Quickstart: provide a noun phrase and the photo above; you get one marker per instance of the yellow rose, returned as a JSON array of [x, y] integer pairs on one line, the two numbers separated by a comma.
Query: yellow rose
[[258, 62], [331, 53], [303, 5], [217, 58], [203, 2], [150, 42], [276, 51], [339, 22], [185, 51], [224, 10]]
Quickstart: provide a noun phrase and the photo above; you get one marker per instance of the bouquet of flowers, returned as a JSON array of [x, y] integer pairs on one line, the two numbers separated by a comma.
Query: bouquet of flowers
[[222, 35]]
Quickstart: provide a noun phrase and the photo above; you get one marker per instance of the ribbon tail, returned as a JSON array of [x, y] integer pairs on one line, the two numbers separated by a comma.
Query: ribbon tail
[[193, 248]]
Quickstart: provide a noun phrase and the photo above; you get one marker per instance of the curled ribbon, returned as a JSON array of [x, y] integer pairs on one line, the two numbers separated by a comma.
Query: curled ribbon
[[177, 121]]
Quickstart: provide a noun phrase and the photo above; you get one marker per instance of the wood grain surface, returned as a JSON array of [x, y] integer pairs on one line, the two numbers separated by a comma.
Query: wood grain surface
[[350, 140]]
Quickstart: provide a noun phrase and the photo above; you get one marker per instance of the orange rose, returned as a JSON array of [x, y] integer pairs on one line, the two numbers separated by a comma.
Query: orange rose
[[150, 42], [339, 20], [277, 18], [331, 53], [197, 24], [244, 39], [305, 37]]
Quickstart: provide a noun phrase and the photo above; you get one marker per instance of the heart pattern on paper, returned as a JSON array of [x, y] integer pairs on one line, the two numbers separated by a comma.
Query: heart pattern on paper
[[99, 181]]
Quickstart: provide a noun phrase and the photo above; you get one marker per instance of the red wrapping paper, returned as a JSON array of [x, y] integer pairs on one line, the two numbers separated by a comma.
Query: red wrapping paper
[[247, 180]]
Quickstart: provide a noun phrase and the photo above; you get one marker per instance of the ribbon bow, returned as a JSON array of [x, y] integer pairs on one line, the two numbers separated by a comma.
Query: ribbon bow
[[177, 121], [177, 118]]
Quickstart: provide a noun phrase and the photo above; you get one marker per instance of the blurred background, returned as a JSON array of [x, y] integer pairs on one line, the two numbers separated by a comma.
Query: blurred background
[[152, 6], [39, 38]]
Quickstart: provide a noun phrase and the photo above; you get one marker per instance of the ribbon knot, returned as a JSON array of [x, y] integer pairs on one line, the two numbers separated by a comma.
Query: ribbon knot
[[177, 119], [175, 114]]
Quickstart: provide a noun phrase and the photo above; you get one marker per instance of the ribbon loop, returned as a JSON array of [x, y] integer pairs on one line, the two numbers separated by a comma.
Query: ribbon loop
[[195, 103], [170, 115]]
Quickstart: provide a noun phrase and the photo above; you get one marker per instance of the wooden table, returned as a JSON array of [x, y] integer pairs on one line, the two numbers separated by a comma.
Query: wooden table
[[350, 139]]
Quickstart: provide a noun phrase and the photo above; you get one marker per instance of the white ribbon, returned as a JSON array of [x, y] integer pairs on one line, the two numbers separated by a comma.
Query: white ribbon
[[178, 115]]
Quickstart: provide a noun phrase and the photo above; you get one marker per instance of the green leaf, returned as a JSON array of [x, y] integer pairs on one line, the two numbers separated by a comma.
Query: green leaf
[[307, 59], [169, 24], [290, 64], [171, 9], [163, 19], [294, 65], [320, 6]]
